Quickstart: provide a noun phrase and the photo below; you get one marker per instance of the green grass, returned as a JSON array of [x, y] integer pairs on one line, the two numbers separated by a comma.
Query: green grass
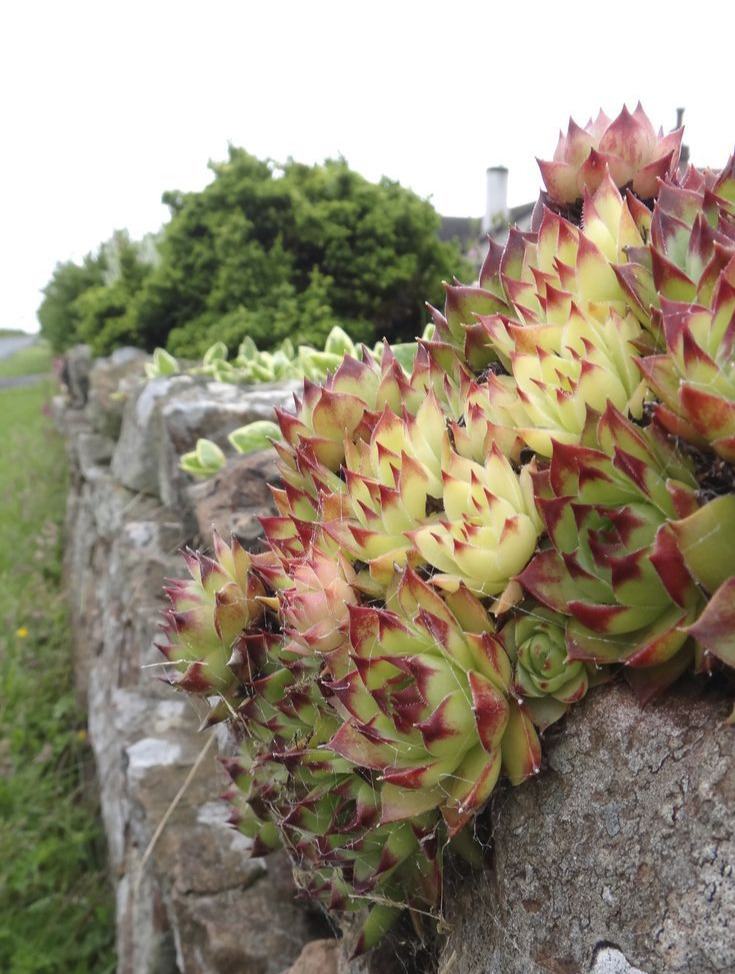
[[11, 332], [33, 360], [56, 911]]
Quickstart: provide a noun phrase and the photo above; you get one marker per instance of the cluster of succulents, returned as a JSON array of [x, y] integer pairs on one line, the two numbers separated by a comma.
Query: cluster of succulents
[[254, 366], [628, 149], [464, 543]]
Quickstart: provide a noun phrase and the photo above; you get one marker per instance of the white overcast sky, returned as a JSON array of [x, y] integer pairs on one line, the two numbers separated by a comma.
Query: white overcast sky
[[103, 106]]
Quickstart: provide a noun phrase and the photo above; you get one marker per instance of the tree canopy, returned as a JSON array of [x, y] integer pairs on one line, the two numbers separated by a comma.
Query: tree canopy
[[272, 252], [59, 315]]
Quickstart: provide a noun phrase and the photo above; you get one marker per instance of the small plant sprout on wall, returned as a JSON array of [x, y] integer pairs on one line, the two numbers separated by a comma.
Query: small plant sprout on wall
[[538, 500]]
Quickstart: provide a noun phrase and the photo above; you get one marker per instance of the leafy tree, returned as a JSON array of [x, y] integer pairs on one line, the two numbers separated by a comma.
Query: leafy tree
[[265, 252], [93, 302], [106, 314], [273, 252], [58, 314]]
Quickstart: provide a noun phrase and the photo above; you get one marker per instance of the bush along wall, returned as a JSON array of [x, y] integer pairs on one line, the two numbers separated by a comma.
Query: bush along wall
[[264, 253], [543, 504]]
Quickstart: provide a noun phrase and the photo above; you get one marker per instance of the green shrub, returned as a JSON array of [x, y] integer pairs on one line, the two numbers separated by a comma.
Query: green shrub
[[263, 251]]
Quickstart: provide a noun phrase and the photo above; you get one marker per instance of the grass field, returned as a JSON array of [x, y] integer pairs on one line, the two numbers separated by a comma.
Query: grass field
[[33, 360], [56, 912]]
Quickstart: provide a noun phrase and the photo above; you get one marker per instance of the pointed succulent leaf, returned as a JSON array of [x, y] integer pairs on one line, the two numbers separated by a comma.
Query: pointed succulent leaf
[[706, 540], [255, 436], [468, 791], [339, 342], [205, 460], [379, 921], [715, 628], [521, 747], [163, 364]]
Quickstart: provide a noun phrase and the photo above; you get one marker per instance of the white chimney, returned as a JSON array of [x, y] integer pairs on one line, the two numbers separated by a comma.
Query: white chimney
[[496, 206]]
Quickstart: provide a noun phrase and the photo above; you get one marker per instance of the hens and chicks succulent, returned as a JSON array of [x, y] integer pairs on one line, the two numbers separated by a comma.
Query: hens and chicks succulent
[[463, 546]]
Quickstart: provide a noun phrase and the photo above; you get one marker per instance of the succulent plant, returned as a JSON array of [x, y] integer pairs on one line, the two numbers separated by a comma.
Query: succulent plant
[[205, 460], [252, 365], [613, 566], [585, 365], [692, 242], [364, 774], [628, 148], [473, 530], [543, 674], [695, 377], [489, 527], [311, 802], [543, 273], [208, 613], [426, 705]]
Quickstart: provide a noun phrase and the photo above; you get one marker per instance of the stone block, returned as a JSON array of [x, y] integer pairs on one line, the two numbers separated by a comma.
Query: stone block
[[192, 901], [625, 840], [111, 381], [233, 499], [212, 412], [317, 957], [75, 369], [137, 455], [165, 418], [94, 451]]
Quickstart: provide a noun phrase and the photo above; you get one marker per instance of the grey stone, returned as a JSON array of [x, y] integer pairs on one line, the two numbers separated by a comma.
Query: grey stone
[[232, 500], [193, 900], [111, 381], [93, 451], [263, 932], [152, 752], [75, 369], [211, 411], [136, 460], [145, 941], [630, 835], [164, 419]]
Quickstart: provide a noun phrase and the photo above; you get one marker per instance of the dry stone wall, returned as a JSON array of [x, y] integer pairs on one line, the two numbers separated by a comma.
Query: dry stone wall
[[617, 859], [195, 903]]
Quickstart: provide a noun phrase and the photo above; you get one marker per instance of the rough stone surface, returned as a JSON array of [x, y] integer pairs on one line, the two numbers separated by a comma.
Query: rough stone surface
[[231, 501], [138, 451], [190, 900], [75, 374], [611, 961], [94, 452], [317, 957], [213, 411], [111, 381], [164, 418], [624, 841]]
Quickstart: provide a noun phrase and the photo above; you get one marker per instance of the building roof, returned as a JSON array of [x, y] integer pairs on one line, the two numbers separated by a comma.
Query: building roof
[[464, 229], [519, 214]]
